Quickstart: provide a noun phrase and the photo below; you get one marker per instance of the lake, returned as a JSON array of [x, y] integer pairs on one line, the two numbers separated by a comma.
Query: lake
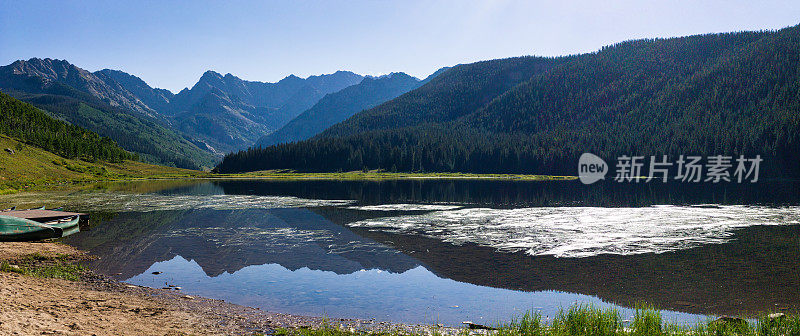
[[447, 251]]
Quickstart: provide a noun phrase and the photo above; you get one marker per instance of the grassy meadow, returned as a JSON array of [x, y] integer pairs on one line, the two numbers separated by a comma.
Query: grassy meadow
[[25, 167]]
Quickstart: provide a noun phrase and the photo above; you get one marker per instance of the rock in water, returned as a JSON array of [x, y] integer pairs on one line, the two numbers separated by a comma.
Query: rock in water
[[777, 316], [474, 326], [728, 321]]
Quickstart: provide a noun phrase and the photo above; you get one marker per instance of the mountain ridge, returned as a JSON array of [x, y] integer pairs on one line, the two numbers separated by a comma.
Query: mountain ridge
[[338, 106], [247, 110], [710, 94]]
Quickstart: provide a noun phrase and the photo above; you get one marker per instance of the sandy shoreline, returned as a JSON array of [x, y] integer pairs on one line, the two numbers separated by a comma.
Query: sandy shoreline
[[98, 305]]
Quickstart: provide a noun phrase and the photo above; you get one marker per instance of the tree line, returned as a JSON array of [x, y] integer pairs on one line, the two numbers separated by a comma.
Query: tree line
[[30, 125]]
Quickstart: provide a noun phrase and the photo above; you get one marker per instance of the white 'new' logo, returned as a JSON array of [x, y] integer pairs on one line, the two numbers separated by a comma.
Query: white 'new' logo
[[591, 168]]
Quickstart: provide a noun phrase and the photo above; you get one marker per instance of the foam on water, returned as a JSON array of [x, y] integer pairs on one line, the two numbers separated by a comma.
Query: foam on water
[[587, 231]]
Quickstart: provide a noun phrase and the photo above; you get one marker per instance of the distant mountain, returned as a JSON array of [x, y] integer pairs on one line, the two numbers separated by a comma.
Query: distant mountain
[[715, 94], [82, 98], [229, 113], [217, 115], [338, 106], [153, 98], [45, 75]]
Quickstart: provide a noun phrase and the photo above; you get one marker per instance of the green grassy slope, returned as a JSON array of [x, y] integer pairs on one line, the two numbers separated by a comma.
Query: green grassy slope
[[36, 150], [154, 143], [31, 167]]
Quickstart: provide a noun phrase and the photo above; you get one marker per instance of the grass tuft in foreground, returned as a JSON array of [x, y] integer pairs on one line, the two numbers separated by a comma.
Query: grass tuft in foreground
[[587, 320], [45, 266]]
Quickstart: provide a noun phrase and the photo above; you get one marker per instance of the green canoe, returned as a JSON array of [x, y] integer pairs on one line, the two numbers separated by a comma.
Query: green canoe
[[20, 229], [68, 225]]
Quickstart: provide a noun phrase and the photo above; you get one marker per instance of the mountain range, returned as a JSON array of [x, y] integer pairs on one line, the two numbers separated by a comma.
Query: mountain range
[[714, 94], [190, 129], [229, 113]]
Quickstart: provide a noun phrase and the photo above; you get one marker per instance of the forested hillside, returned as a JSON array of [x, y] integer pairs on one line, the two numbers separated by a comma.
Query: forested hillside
[[454, 93], [154, 143], [130, 123], [32, 126], [730, 94]]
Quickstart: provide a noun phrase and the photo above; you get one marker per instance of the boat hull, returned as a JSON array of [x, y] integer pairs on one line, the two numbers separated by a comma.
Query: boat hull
[[20, 229], [68, 225]]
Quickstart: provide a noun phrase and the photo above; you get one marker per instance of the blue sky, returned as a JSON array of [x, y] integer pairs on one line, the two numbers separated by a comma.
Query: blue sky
[[170, 44]]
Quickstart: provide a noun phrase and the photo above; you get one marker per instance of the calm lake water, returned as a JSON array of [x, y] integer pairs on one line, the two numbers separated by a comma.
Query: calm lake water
[[427, 251]]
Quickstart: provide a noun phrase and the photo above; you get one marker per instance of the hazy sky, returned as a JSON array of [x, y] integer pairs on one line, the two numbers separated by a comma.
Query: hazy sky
[[170, 44]]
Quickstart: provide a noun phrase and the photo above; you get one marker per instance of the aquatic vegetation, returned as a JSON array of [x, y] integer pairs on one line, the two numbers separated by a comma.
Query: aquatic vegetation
[[647, 321], [115, 202], [529, 323], [588, 320]]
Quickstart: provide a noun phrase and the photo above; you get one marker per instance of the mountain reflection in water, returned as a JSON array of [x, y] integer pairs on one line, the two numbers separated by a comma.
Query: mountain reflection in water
[[225, 241]]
